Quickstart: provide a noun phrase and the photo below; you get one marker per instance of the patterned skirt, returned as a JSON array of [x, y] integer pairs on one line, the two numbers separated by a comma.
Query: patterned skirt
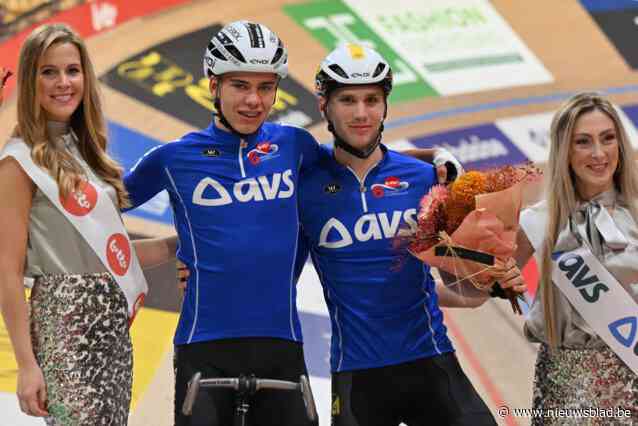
[[591, 386], [79, 327]]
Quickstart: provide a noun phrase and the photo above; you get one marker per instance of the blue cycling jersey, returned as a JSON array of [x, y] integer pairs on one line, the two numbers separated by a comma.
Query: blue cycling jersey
[[382, 302], [235, 210]]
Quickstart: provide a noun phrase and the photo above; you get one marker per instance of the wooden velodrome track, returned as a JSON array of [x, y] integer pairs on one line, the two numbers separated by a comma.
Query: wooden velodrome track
[[563, 37]]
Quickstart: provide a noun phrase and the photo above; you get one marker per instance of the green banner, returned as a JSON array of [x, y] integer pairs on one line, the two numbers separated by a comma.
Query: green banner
[[332, 22]]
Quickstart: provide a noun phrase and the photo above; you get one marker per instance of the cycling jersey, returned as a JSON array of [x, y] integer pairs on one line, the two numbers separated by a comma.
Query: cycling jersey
[[235, 210], [382, 302]]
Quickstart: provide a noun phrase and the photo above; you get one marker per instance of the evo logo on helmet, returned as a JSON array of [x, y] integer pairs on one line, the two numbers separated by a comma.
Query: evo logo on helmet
[[371, 226], [259, 61], [279, 185], [577, 272]]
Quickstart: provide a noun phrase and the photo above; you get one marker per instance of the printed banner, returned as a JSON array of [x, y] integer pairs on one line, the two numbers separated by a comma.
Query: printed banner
[[531, 133], [170, 77], [618, 21], [332, 22], [457, 46], [438, 47], [479, 147], [600, 5]]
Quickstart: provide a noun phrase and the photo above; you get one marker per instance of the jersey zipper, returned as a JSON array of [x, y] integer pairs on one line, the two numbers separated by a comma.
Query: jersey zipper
[[242, 144], [362, 186]]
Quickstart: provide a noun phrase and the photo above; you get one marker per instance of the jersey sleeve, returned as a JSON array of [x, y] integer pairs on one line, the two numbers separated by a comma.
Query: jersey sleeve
[[146, 178]]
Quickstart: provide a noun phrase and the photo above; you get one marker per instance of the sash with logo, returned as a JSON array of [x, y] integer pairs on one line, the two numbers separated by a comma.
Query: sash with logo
[[596, 294], [92, 212]]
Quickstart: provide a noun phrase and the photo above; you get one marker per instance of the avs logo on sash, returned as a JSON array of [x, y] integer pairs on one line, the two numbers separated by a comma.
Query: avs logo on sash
[[264, 151], [81, 201], [577, 272], [391, 186], [118, 254], [624, 331]]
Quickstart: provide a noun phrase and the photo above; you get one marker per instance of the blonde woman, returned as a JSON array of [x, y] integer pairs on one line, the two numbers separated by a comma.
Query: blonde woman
[[590, 208], [61, 194]]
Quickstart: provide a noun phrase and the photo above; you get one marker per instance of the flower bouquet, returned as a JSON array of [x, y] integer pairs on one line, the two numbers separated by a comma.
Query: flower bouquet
[[469, 227]]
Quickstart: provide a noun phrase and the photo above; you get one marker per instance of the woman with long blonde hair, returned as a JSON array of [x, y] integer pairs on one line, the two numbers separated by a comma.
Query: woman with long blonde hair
[[591, 202], [72, 346]]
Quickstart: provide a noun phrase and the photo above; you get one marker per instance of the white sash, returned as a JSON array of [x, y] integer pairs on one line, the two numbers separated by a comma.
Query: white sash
[[601, 300], [92, 212]]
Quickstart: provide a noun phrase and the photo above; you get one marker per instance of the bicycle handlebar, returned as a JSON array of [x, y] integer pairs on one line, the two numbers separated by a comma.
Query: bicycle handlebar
[[249, 385]]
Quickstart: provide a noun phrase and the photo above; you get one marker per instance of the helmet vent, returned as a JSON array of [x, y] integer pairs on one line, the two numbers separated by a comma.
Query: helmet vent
[[224, 39], [277, 55], [236, 53], [338, 70], [215, 52], [379, 69]]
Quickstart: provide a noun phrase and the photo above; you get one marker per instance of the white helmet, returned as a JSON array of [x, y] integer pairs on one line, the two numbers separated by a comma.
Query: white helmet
[[352, 64], [244, 46]]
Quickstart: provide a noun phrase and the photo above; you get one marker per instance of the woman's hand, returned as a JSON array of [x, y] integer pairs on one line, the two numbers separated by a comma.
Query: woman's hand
[[509, 283], [509, 276], [32, 394]]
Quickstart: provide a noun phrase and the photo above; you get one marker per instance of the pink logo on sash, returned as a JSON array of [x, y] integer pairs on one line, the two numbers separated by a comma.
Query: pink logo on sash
[[82, 201], [118, 253]]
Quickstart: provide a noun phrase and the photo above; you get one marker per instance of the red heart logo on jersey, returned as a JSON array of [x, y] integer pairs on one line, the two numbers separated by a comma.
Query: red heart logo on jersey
[[264, 147], [392, 182]]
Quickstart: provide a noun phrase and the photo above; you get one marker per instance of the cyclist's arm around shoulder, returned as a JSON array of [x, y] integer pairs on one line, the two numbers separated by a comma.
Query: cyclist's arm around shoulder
[[147, 177]]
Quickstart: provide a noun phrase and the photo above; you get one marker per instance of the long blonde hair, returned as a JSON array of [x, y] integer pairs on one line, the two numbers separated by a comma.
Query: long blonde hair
[[562, 197], [87, 121]]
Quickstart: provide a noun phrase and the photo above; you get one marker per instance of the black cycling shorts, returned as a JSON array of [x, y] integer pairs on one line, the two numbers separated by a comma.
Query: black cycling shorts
[[266, 358], [428, 391]]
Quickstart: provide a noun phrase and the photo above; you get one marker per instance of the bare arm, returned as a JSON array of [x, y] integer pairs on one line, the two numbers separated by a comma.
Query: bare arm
[[524, 249], [451, 299], [16, 191], [155, 251], [448, 168], [424, 154]]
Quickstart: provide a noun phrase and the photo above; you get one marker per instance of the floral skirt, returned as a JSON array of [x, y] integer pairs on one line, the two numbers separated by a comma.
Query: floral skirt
[[79, 328], [592, 386]]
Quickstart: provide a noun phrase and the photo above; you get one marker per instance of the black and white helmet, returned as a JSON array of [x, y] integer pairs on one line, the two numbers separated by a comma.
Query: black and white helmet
[[352, 64], [244, 46]]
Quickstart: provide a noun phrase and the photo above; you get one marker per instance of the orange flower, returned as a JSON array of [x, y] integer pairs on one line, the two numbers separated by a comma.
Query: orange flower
[[462, 199]]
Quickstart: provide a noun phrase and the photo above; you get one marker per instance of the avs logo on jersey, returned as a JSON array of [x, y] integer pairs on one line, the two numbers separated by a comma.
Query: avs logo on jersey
[[210, 193], [262, 152], [391, 186], [371, 226]]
